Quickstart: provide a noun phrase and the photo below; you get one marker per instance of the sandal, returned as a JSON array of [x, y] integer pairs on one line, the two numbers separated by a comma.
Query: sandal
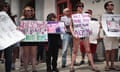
[[95, 69], [107, 68], [72, 70], [116, 68]]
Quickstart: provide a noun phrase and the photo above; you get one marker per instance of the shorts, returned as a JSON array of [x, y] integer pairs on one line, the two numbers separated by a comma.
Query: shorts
[[92, 48], [110, 43]]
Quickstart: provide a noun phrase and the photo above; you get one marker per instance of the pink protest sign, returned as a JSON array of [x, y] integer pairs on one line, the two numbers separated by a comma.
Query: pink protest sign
[[55, 27]]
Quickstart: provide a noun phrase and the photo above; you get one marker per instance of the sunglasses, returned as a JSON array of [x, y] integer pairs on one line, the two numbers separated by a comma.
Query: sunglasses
[[81, 6], [110, 4], [29, 10]]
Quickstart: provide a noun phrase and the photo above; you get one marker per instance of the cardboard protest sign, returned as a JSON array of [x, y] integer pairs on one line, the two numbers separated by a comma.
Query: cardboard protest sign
[[111, 25], [35, 31], [9, 33]]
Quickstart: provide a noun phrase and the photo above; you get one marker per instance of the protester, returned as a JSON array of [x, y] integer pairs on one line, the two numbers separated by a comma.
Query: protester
[[111, 43], [29, 48], [93, 46], [53, 44], [85, 40], [67, 37], [4, 6]]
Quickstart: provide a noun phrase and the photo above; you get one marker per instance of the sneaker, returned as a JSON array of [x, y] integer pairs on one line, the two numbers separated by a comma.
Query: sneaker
[[63, 66], [55, 70]]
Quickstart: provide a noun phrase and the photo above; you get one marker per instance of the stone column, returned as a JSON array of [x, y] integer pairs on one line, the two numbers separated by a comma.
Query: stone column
[[39, 9], [49, 6], [15, 9]]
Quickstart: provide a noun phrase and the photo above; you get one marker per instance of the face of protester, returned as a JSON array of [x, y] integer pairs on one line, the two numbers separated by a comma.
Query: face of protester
[[80, 9], [6, 8], [28, 12], [67, 13], [110, 7], [53, 18]]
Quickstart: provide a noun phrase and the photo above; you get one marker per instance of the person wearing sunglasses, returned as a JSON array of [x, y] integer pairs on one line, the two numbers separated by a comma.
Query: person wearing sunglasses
[[76, 41], [110, 43], [29, 48]]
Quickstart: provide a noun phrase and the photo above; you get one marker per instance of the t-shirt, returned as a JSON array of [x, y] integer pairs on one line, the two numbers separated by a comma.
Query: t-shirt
[[67, 21]]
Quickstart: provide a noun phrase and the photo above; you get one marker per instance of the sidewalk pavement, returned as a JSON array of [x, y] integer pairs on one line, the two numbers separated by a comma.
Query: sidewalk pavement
[[41, 67]]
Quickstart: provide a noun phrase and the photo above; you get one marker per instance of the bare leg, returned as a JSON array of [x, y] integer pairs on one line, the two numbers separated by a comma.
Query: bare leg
[[89, 54], [25, 57], [112, 57], [33, 56], [107, 56], [75, 50]]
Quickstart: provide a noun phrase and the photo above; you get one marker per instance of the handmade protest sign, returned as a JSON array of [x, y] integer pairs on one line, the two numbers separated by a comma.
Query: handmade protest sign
[[55, 27], [9, 33], [81, 24], [111, 25], [35, 31]]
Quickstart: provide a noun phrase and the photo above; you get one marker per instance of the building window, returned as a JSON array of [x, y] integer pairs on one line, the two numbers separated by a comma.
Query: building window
[[61, 4], [61, 7]]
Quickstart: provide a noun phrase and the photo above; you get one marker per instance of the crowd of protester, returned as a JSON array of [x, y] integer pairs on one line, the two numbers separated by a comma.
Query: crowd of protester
[[33, 52]]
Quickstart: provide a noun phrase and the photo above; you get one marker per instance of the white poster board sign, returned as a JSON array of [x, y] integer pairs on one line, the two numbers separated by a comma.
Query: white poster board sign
[[81, 24], [94, 28], [35, 31], [8, 33], [111, 25]]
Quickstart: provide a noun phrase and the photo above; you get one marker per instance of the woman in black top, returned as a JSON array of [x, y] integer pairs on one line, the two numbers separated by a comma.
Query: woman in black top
[[53, 44], [29, 48]]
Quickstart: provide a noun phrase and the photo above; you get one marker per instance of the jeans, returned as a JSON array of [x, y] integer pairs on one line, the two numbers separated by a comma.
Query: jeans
[[8, 58], [67, 42]]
